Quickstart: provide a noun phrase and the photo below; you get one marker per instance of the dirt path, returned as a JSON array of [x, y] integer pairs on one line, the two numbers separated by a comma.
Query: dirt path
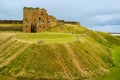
[[76, 60], [67, 73], [7, 61], [3, 43], [6, 48], [22, 71], [63, 65], [9, 38]]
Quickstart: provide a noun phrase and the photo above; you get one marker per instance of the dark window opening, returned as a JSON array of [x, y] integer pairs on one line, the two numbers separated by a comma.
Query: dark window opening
[[39, 18], [43, 26]]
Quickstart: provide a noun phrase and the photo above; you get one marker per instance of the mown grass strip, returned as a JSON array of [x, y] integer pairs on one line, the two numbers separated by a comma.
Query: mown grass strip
[[6, 48], [47, 37], [11, 51]]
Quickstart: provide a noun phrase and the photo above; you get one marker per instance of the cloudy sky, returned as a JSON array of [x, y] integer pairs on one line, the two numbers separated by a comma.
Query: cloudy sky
[[101, 15]]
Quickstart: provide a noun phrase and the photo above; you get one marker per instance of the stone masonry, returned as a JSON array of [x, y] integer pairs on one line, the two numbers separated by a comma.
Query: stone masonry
[[37, 20]]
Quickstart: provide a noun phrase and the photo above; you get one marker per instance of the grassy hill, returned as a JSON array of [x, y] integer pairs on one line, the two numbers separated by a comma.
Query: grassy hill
[[57, 54], [46, 37], [68, 28]]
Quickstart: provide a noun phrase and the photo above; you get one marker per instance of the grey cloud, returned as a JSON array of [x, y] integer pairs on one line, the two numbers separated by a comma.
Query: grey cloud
[[114, 21], [107, 18], [84, 11]]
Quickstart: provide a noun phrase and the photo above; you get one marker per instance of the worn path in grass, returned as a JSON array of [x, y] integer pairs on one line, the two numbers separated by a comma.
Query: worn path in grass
[[66, 70], [63, 65], [76, 61], [7, 61]]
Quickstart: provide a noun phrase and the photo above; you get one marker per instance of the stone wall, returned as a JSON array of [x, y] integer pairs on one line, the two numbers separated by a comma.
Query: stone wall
[[37, 20], [52, 21]]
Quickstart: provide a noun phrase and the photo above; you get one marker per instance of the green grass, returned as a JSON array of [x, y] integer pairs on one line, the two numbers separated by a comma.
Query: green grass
[[116, 56], [114, 73], [47, 37], [118, 36], [6, 78], [112, 40], [68, 28], [10, 25], [82, 55], [41, 55], [10, 51], [57, 34], [54, 61]]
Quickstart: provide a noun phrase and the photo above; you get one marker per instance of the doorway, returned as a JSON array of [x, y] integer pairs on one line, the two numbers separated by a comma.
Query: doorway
[[33, 29]]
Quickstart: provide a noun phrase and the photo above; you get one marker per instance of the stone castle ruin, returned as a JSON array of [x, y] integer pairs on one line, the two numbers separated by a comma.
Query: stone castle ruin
[[34, 20], [37, 20]]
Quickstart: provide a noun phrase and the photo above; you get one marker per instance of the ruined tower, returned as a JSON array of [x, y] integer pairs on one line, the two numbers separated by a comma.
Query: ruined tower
[[37, 20], [52, 21]]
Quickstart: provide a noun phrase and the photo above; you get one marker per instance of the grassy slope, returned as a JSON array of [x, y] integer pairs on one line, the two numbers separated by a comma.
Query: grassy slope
[[54, 61], [47, 37], [112, 40], [114, 73], [88, 56], [68, 28], [6, 78], [118, 36], [114, 43]]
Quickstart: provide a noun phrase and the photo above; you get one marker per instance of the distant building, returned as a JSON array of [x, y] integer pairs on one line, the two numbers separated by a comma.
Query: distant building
[[37, 20]]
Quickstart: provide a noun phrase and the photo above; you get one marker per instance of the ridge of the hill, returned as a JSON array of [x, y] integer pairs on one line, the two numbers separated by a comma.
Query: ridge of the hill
[[69, 28]]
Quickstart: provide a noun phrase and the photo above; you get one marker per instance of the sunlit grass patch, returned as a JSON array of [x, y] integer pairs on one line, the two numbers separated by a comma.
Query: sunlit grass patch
[[47, 37]]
